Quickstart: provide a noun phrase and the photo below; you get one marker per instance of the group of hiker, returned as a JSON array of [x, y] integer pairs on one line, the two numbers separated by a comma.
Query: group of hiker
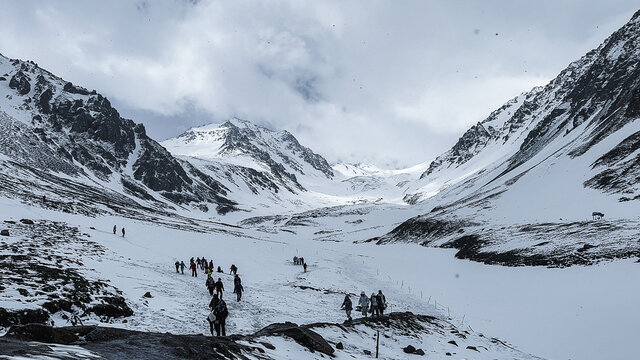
[[115, 229], [218, 316], [300, 261], [374, 305], [219, 312], [203, 265]]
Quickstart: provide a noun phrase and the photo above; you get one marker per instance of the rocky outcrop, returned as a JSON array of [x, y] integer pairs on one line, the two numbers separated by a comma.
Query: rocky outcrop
[[75, 131]]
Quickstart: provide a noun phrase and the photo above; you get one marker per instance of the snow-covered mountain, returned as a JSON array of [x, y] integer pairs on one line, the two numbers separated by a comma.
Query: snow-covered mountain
[[262, 158], [551, 156], [70, 145]]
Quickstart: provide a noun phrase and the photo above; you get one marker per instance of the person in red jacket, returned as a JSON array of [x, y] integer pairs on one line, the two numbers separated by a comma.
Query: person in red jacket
[[194, 269]]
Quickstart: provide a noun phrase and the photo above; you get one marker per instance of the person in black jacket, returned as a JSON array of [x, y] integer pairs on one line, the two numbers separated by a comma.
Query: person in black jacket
[[347, 305], [221, 312], [237, 287], [219, 288], [211, 284], [382, 302]]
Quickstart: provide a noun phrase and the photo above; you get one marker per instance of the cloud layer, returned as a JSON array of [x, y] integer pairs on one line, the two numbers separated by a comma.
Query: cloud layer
[[394, 83]]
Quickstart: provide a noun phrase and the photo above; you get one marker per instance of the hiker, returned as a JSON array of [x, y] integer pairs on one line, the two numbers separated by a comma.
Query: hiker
[[211, 284], [382, 302], [211, 265], [238, 289], [219, 269], [295, 260], [214, 302], [211, 319], [182, 266], [122, 232], [304, 266], [177, 264], [363, 304], [347, 306], [194, 270], [301, 261], [219, 288], [203, 264], [221, 312], [114, 229], [233, 269], [198, 262], [374, 305]]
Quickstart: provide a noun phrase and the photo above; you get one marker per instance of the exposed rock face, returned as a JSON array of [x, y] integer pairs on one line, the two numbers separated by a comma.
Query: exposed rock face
[[60, 127], [596, 95]]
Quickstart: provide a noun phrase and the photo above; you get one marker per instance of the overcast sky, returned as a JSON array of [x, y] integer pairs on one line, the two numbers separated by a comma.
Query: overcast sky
[[389, 82]]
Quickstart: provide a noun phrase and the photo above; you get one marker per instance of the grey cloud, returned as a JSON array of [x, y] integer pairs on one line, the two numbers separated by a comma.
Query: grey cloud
[[391, 82]]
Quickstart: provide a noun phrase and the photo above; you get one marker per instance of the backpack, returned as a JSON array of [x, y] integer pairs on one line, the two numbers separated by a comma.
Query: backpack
[[221, 310]]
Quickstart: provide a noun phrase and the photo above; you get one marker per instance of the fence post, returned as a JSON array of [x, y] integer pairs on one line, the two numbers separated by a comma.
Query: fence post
[[377, 343]]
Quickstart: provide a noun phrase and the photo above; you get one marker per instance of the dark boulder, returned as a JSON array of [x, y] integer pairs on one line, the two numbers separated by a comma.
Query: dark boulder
[[302, 335], [4, 232], [147, 295], [339, 346], [419, 352], [26, 221], [27, 316], [114, 307], [409, 349], [42, 333]]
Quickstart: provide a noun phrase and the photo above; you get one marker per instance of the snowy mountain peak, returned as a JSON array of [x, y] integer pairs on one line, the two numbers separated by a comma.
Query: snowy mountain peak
[[244, 143]]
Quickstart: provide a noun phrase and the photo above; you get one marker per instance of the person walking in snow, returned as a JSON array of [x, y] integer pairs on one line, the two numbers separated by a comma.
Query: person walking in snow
[[203, 264], [177, 264], [219, 269], [122, 232], [198, 262], [374, 305], [211, 284], [211, 265], [182, 266], [237, 287], [114, 229], [363, 303], [194, 270], [221, 312], [347, 306], [304, 266], [382, 302], [214, 302], [219, 288], [233, 269], [295, 260]]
